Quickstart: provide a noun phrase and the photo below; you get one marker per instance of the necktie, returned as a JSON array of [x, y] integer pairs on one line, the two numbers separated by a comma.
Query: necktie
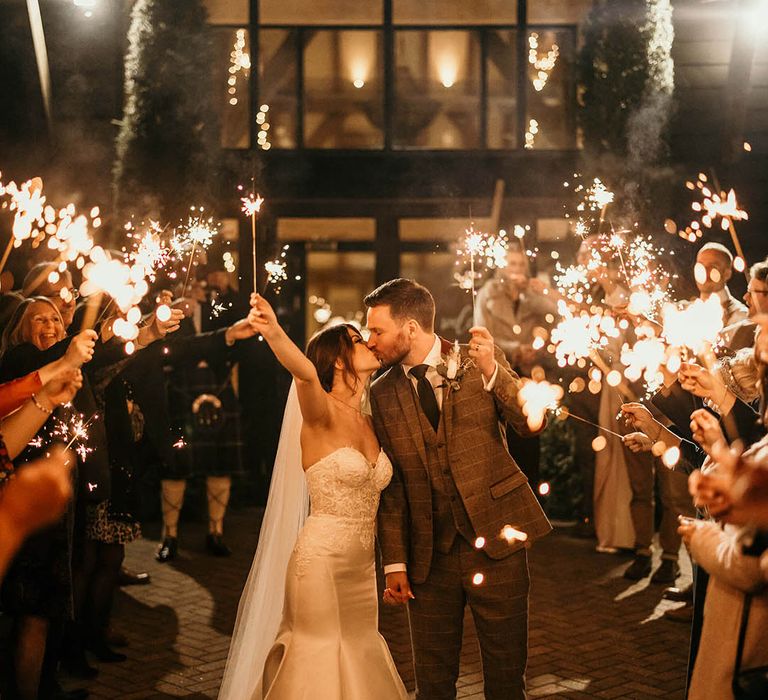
[[426, 395]]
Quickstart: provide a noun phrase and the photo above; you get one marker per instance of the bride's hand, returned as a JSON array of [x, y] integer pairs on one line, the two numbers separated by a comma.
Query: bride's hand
[[398, 590], [262, 316]]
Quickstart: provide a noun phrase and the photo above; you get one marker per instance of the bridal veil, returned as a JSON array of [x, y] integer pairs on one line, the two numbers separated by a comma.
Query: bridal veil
[[261, 604]]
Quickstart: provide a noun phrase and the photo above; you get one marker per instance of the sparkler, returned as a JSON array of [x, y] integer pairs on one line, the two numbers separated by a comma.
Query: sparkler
[[536, 398], [251, 207], [473, 244], [28, 202], [696, 326], [276, 271], [199, 232]]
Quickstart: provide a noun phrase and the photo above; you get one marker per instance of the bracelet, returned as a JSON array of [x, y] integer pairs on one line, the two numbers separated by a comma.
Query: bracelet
[[40, 406]]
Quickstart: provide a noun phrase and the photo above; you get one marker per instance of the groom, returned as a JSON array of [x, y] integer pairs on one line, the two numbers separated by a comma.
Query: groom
[[454, 491]]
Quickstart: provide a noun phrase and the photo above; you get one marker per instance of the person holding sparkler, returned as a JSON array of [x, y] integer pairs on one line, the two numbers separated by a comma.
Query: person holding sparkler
[[38, 587], [518, 312], [193, 412], [466, 517]]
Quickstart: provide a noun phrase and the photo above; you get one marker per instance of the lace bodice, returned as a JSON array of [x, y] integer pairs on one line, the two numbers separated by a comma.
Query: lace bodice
[[345, 484], [344, 489]]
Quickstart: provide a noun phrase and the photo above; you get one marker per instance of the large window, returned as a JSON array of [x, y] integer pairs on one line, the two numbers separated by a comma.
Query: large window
[[343, 96], [437, 75], [437, 88]]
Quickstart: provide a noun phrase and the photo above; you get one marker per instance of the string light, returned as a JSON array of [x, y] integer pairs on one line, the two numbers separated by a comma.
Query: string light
[[542, 64], [239, 61]]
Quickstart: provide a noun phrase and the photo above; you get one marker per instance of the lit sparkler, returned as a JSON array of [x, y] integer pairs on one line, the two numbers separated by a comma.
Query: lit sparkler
[[536, 398], [251, 207], [695, 326]]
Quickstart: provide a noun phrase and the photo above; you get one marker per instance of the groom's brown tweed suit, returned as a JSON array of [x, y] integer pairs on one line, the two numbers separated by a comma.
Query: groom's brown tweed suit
[[450, 487]]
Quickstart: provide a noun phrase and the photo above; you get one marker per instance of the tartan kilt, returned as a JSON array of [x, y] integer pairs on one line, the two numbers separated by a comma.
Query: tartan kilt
[[205, 414]]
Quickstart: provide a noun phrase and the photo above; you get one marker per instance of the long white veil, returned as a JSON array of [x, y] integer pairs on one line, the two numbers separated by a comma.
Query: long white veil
[[261, 604]]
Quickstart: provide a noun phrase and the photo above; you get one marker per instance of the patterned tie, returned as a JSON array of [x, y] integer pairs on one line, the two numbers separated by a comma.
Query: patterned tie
[[426, 394]]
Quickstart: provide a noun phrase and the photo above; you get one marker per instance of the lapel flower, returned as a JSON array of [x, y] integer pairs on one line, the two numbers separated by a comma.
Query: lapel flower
[[453, 367]]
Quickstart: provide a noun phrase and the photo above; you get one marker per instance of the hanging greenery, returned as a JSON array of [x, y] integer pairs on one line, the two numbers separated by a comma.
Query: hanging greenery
[[166, 149], [627, 83]]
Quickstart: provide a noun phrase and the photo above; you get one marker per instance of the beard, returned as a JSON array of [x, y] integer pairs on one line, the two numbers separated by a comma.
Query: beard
[[397, 354]]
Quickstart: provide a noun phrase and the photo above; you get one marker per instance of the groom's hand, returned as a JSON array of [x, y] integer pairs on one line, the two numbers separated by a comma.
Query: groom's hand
[[398, 590], [481, 350]]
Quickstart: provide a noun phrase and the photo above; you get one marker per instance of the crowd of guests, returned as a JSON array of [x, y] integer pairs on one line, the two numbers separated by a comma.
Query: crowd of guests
[[169, 407], [714, 499]]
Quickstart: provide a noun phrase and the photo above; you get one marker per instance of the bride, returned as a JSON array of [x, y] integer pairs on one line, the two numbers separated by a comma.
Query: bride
[[321, 576]]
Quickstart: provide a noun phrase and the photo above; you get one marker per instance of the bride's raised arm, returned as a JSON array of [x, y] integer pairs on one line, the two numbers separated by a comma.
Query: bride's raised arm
[[312, 397]]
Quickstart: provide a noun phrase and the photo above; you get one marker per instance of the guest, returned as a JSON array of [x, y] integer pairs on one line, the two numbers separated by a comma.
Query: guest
[[518, 311]]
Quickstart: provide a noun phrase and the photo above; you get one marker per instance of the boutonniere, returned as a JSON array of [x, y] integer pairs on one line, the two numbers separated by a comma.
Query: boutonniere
[[454, 367]]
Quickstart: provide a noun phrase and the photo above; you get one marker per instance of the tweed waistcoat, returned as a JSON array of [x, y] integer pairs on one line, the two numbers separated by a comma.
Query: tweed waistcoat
[[449, 516]]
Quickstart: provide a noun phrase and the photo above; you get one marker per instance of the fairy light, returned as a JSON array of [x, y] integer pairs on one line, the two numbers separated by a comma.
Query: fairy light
[[479, 542], [531, 133], [262, 117], [478, 579], [542, 64], [239, 61]]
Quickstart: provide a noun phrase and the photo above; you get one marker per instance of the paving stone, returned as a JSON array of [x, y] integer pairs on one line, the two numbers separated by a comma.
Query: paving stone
[[592, 633]]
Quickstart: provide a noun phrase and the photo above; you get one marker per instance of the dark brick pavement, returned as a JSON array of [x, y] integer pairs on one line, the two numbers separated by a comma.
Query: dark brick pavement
[[593, 635]]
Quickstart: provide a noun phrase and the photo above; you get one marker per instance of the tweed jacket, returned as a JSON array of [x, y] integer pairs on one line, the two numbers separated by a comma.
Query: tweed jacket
[[492, 487]]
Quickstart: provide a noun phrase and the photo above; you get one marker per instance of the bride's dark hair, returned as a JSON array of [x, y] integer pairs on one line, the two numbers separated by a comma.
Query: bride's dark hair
[[329, 345]]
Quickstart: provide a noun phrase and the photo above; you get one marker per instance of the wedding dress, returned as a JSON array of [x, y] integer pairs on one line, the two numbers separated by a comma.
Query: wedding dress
[[307, 623], [328, 645]]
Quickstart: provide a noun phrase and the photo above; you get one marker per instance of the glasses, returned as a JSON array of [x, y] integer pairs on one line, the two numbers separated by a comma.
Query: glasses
[[757, 291], [67, 294]]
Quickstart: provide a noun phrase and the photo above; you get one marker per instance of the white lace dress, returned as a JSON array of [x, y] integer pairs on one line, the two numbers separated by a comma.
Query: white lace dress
[[328, 645]]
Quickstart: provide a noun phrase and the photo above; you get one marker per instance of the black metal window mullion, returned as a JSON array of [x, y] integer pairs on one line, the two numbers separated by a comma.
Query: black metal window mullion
[[484, 87], [389, 73], [522, 71], [300, 88]]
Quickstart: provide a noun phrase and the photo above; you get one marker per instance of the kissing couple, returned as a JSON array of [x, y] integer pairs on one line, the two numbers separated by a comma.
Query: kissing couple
[[430, 466]]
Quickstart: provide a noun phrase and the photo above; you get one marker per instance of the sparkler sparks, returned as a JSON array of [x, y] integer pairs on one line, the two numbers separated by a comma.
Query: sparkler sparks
[[696, 326], [536, 398], [251, 204]]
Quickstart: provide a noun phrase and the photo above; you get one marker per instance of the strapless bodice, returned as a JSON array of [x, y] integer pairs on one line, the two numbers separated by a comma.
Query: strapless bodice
[[346, 485]]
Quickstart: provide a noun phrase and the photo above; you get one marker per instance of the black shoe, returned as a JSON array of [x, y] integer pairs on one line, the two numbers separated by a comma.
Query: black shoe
[[639, 568], [129, 578], [168, 550], [679, 595], [75, 665], [214, 543], [101, 650], [667, 573]]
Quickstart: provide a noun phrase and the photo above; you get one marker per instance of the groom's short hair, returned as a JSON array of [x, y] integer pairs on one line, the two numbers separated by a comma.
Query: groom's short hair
[[405, 299]]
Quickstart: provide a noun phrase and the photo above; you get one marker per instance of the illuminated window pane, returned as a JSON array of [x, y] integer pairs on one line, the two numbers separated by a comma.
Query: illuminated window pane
[[550, 119], [437, 89], [276, 114], [501, 69], [343, 96], [227, 11], [453, 306], [232, 86], [557, 11], [320, 12], [336, 285], [441, 12]]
